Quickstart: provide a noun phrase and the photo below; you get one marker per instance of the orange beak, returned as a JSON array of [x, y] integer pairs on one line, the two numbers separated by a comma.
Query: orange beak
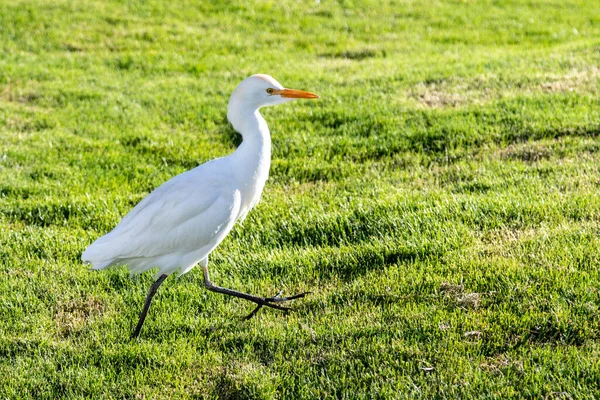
[[295, 94]]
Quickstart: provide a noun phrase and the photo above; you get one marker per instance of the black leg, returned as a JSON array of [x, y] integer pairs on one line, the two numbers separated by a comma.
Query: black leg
[[260, 301], [149, 297]]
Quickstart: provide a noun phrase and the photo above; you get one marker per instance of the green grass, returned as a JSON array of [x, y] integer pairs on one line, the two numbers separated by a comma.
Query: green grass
[[441, 200]]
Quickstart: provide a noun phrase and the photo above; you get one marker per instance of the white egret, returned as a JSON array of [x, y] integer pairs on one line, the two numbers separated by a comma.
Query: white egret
[[182, 221]]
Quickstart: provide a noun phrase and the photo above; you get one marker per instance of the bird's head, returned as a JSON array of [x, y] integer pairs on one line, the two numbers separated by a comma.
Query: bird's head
[[262, 90]]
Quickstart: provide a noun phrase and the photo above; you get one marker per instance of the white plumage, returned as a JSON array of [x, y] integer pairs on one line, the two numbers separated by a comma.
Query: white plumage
[[181, 222], [176, 226]]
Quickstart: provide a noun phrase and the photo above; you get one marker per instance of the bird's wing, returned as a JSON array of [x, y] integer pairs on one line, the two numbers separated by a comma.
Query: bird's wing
[[182, 215]]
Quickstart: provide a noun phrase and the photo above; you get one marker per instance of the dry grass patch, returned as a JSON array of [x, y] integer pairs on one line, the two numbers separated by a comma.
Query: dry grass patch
[[574, 81], [527, 152], [439, 95], [73, 314], [451, 288], [450, 93], [499, 363], [469, 301], [473, 335], [461, 299]]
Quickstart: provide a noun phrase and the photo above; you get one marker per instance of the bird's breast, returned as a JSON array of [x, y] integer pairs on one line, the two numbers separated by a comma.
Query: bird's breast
[[252, 182], [253, 189]]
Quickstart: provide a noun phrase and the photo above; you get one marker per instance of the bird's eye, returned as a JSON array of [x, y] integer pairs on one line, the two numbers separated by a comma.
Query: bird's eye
[[270, 91]]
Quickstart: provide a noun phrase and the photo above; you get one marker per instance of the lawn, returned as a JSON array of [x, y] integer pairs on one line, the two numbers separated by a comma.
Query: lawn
[[441, 200]]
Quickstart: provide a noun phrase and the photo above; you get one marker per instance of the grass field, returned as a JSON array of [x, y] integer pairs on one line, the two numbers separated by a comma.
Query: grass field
[[441, 200]]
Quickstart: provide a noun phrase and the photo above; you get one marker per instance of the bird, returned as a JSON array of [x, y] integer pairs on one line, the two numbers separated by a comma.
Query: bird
[[180, 223]]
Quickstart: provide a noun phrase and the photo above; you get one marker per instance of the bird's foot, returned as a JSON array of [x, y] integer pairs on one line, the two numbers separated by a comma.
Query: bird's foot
[[268, 301], [272, 302]]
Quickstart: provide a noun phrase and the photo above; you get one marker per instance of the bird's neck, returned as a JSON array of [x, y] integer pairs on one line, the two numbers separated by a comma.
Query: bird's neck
[[253, 156]]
